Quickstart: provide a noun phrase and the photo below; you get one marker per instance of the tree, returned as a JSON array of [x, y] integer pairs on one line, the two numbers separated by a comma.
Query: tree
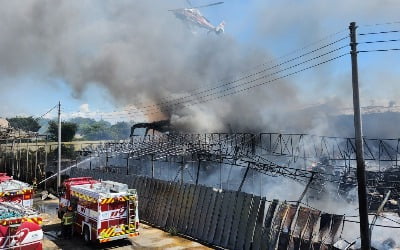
[[24, 123], [121, 130], [68, 131], [100, 130], [82, 122]]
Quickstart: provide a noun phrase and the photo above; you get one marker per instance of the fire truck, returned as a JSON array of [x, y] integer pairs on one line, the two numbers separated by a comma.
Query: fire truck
[[15, 191], [104, 210], [20, 227]]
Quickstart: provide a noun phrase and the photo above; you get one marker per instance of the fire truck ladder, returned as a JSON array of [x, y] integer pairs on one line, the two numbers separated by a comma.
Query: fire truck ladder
[[131, 212]]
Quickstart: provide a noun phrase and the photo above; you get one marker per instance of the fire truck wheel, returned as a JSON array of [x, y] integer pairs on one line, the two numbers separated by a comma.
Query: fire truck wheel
[[86, 235]]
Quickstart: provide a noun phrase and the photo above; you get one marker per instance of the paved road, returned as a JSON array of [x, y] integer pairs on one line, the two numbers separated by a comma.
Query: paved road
[[149, 238]]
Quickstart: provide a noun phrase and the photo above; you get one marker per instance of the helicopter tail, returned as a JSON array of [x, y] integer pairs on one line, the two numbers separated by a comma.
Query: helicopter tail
[[220, 28]]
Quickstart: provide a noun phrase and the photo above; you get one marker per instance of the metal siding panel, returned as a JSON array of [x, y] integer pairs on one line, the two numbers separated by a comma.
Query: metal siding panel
[[149, 196], [182, 208], [226, 195], [309, 229], [236, 219], [141, 186], [172, 204], [204, 210], [228, 220], [150, 199], [189, 207], [196, 195], [197, 219], [324, 229], [209, 215], [145, 198], [301, 221], [167, 203], [158, 202], [259, 226], [251, 225], [177, 206], [337, 223], [266, 232], [142, 196], [153, 203], [243, 221], [286, 227], [131, 184], [215, 217], [276, 225], [163, 203]]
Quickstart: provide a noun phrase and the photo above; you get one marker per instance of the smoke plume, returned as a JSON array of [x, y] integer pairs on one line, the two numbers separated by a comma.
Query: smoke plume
[[140, 52]]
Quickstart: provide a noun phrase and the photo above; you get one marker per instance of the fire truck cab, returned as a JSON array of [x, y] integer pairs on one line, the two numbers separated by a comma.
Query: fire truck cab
[[104, 210], [15, 191], [20, 227]]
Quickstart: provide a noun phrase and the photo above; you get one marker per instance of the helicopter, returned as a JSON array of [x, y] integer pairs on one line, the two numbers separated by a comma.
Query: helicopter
[[193, 16]]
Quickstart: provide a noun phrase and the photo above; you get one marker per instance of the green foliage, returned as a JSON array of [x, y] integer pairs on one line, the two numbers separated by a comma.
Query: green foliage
[[103, 130], [24, 123], [97, 131], [172, 230], [68, 131], [82, 122], [121, 130]]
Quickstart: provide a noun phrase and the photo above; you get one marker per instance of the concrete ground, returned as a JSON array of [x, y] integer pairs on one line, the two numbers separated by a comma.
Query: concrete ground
[[149, 238]]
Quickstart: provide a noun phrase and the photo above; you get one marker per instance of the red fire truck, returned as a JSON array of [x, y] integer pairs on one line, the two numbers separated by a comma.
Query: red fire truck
[[105, 210], [20, 227], [15, 191]]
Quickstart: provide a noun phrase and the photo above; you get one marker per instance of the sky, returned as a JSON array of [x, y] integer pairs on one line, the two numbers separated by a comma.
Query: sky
[[97, 57]]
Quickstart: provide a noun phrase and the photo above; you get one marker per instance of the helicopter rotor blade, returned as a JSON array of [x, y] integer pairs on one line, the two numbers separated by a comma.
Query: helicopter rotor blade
[[176, 9], [190, 3], [207, 5]]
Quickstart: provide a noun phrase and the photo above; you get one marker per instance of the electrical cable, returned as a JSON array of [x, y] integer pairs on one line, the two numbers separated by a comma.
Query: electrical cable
[[163, 104], [379, 32], [249, 82], [40, 117], [379, 41], [242, 78], [376, 225], [253, 86], [378, 50], [380, 24], [251, 75], [274, 60]]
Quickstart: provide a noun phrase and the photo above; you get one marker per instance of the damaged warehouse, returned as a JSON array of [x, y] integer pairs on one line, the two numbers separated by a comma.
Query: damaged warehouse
[[237, 162], [188, 116]]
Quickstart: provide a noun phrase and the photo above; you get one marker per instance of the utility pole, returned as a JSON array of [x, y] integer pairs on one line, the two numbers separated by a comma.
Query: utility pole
[[59, 148], [152, 166], [45, 163], [127, 164], [361, 180]]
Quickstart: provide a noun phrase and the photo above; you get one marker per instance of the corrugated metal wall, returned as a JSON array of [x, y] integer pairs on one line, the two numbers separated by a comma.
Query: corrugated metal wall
[[227, 219]]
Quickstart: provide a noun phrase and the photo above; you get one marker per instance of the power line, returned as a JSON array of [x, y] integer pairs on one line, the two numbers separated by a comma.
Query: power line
[[259, 84], [380, 41], [379, 50], [164, 104], [250, 75], [40, 117], [246, 83], [274, 60], [379, 32], [380, 24], [376, 225]]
